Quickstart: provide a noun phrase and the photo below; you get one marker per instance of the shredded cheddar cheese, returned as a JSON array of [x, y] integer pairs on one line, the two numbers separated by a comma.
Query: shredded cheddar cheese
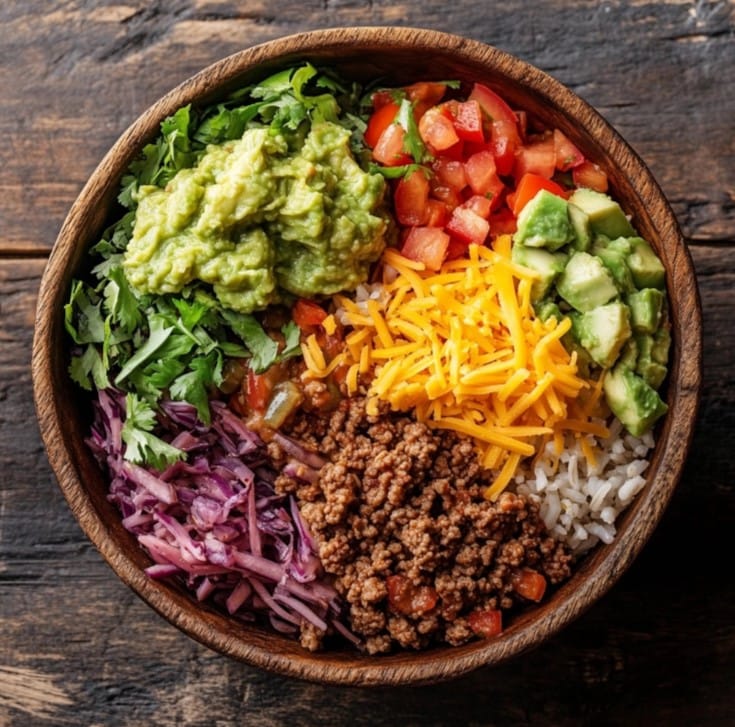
[[464, 350]]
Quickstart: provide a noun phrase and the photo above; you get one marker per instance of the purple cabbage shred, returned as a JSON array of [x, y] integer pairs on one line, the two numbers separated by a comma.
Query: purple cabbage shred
[[215, 519]]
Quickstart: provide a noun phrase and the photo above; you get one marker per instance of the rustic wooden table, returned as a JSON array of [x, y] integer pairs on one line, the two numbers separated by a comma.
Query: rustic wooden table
[[78, 647]]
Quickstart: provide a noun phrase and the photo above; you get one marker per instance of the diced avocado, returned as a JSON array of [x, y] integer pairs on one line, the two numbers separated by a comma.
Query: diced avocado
[[629, 354], [648, 271], [632, 400], [645, 309], [605, 214], [661, 343], [570, 341], [544, 222], [603, 331], [547, 264], [581, 227], [546, 309], [648, 366], [586, 283], [614, 259]]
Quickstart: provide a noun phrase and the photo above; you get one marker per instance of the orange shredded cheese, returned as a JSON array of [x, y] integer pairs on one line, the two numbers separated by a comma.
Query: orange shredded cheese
[[463, 349]]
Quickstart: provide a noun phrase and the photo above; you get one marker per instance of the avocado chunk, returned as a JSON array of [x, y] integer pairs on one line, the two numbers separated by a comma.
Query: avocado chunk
[[580, 226], [644, 264], [547, 264], [546, 309], [629, 354], [544, 222], [606, 216], [614, 257], [632, 400], [603, 331], [586, 283], [645, 309], [661, 342]]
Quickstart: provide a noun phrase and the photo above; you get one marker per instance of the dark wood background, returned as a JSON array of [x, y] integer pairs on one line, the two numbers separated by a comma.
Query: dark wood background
[[77, 647]]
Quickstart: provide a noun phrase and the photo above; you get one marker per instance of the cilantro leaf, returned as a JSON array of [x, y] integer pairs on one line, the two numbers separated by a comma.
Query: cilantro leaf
[[156, 338], [412, 142], [263, 349], [142, 445]]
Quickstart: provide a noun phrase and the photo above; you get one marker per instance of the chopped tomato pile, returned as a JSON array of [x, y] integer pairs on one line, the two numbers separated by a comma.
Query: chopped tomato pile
[[464, 168]]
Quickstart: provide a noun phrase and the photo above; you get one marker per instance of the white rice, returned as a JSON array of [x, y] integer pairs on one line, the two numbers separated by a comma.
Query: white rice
[[580, 503]]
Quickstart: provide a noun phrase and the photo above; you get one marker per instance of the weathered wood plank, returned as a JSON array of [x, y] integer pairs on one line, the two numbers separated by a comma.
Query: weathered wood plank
[[660, 72], [91, 652]]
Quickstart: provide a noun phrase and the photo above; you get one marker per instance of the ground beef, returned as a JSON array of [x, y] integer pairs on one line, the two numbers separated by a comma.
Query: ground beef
[[401, 523]]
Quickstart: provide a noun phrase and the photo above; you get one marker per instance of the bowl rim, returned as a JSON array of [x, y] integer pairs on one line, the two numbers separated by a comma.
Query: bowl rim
[[435, 664]]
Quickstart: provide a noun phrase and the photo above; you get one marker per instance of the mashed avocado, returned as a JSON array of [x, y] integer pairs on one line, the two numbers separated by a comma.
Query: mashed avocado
[[254, 219]]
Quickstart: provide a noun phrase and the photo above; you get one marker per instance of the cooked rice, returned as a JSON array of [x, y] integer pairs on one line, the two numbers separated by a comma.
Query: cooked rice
[[580, 503]]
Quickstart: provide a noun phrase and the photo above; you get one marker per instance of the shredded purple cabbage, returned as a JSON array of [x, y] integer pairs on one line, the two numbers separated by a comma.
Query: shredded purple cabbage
[[215, 518]]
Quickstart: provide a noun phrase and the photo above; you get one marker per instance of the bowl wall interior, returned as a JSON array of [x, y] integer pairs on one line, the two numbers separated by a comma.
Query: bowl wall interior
[[396, 56]]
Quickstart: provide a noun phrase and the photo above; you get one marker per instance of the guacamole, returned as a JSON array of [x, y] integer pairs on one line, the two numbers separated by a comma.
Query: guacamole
[[256, 219]]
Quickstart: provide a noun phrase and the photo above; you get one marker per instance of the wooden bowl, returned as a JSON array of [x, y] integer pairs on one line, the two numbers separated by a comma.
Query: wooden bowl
[[398, 56]]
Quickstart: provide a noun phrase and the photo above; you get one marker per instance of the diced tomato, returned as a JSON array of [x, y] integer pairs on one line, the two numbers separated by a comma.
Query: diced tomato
[[467, 226], [379, 122], [448, 195], [382, 97], [493, 105], [427, 245], [479, 204], [389, 148], [411, 199], [529, 583], [307, 314], [437, 129], [538, 157], [486, 624], [456, 249], [590, 175], [450, 173], [567, 155], [502, 222], [427, 91], [504, 141], [482, 175], [258, 391], [408, 599], [438, 213], [467, 118], [528, 187]]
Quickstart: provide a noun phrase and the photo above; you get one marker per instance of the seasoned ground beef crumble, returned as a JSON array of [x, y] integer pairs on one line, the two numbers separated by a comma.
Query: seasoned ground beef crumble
[[402, 525]]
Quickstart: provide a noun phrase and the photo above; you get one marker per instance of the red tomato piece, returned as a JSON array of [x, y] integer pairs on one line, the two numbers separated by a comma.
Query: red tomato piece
[[427, 245], [504, 141], [503, 222], [379, 122], [467, 117], [493, 105], [529, 584], [307, 314], [437, 129], [567, 155], [479, 204], [449, 196], [538, 157], [590, 175], [482, 175], [389, 149], [382, 97], [428, 91], [408, 599], [411, 199], [486, 624], [258, 391], [528, 187], [450, 173], [467, 226], [438, 213]]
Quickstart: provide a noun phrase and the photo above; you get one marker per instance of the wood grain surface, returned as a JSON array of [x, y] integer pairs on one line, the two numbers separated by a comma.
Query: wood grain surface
[[78, 647]]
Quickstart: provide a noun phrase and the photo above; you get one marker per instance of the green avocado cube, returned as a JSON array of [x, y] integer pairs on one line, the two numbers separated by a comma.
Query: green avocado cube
[[647, 269], [661, 343], [586, 283], [632, 400], [605, 214], [614, 258], [546, 309], [580, 226], [646, 306], [603, 331], [547, 264], [544, 222]]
